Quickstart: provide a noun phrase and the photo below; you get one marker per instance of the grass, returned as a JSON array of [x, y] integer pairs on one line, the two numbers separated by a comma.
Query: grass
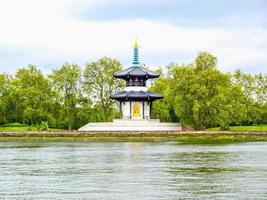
[[184, 139], [243, 128], [18, 127], [25, 128]]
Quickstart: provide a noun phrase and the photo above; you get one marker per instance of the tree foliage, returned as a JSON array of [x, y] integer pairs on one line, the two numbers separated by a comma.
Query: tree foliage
[[164, 109], [99, 83], [197, 94], [29, 95], [4, 93], [202, 96], [65, 83]]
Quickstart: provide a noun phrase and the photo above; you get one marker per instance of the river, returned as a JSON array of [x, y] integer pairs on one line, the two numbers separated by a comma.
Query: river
[[37, 169]]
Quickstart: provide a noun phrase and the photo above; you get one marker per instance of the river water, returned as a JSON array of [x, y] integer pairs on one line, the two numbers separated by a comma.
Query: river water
[[132, 170]]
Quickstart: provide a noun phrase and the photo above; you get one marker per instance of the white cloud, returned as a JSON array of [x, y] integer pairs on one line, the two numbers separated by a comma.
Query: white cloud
[[47, 25]]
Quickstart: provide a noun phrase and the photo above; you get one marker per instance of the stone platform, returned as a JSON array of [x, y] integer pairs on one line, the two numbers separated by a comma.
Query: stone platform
[[122, 125]]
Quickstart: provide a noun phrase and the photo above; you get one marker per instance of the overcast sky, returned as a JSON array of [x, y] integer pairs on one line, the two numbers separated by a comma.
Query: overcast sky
[[49, 33]]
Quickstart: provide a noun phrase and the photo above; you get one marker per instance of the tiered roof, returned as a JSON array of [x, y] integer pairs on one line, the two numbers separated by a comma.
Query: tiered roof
[[136, 76], [136, 71], [136, 95]]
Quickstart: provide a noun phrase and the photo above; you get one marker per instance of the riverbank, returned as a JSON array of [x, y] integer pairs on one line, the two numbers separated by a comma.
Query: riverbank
[[261, 127], [187, 137]]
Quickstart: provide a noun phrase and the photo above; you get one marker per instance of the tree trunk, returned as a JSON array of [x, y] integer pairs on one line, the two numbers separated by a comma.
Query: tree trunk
[[202, 120], [105, 113]]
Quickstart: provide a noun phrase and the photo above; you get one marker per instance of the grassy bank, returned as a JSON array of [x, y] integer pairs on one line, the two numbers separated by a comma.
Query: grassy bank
[[18, 127], [243, 128], [238, 134], [25, 128], [189, 138]]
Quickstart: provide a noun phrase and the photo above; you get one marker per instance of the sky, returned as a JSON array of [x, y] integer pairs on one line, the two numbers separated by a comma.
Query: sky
[[48, 33]]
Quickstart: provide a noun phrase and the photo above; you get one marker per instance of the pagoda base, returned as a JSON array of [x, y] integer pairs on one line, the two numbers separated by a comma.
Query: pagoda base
[[131, 125]]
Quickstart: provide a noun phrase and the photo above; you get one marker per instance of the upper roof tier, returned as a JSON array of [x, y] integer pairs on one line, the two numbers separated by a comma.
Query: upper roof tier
[[136, 70]]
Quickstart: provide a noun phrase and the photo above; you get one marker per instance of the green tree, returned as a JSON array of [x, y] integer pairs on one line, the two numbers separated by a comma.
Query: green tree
[[164, 108], [4, 90], [99, 83], [200, 91], [246, 83], [65, 82], [261, 88], [30, 95], [261, 97], [202, 96], [254, 98]]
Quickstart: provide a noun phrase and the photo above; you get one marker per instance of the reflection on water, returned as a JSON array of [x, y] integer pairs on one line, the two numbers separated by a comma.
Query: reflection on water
[[124, 170]]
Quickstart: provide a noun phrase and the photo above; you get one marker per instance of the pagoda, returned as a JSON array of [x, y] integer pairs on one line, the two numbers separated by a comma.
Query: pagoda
[[135, 100], [135, 104]]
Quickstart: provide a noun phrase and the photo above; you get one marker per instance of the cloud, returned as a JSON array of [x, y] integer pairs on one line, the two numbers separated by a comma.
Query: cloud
[[183, 12], [47, 34]]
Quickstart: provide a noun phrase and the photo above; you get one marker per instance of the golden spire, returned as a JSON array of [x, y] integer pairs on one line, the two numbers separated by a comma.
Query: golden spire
[[136, 45]]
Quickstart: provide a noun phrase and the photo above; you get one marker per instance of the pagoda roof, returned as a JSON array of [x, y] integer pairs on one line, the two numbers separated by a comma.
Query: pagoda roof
[[136, 71], [136, 95]]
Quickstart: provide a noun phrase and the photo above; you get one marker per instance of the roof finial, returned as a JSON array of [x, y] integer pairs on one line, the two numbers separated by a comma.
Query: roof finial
[[136, 45], [136, 53]]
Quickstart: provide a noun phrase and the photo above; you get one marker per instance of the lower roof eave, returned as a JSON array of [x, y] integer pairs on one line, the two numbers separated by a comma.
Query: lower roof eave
[[136, 99]]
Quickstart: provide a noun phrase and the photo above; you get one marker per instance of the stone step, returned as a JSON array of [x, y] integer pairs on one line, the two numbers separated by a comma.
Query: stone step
[[130, 129], [133, 125], [130, 125], [120, 121]]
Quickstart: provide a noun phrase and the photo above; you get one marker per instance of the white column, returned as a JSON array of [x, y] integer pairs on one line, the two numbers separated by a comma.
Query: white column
[[126, 110], [147, 111]]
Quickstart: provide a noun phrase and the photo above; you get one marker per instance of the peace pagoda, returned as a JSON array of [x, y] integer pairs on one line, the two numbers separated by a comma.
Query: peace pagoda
[[135, 103]]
